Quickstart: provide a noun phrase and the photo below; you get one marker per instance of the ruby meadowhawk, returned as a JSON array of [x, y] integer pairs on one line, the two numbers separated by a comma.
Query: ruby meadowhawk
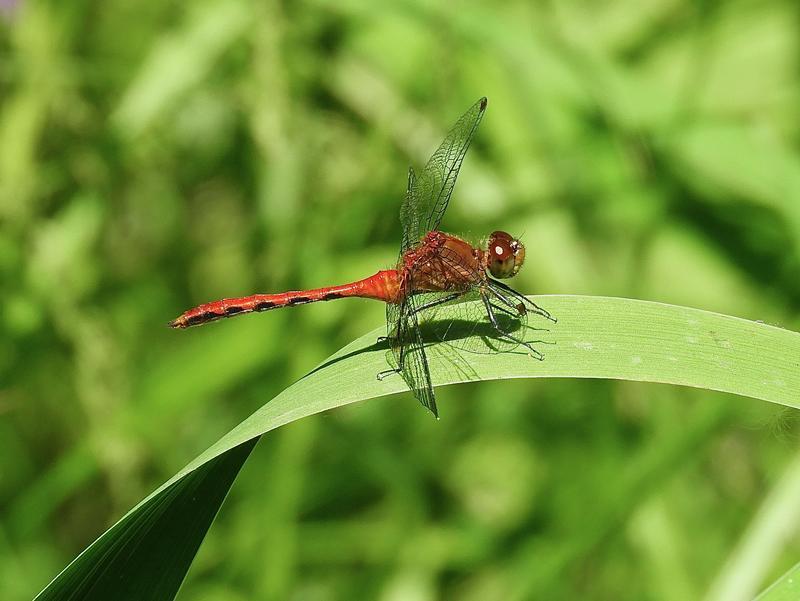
[[435, 270]]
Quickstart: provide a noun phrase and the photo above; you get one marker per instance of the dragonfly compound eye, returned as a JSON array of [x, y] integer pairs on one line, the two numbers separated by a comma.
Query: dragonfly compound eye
[[505, 255]]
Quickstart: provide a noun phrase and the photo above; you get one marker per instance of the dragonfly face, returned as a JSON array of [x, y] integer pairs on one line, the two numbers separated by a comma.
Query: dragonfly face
[[504, 255]]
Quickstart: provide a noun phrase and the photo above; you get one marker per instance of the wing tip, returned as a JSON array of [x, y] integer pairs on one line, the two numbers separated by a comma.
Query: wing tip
[[483, 102]]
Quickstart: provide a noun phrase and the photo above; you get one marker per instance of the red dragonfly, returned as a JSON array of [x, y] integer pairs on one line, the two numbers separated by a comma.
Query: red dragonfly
[[435, 270]]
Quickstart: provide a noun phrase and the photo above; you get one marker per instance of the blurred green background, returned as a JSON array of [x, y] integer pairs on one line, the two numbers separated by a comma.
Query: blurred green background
[[155, 155]]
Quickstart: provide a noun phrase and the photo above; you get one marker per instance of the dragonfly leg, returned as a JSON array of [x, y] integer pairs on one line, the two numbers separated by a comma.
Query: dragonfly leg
[[395, 370], [496, 286], [504, 310], [493, 319], [388, 372], [438, 301], [519, 309]]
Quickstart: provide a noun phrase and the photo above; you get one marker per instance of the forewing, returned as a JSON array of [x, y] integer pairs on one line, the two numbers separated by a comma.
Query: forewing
[[409, 215], [429, 193]]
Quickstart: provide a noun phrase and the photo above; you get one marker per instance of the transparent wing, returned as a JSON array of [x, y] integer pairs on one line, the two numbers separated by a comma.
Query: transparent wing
[[408, 351], [409, 216], [429, 193], [463, 324], [449, 318]]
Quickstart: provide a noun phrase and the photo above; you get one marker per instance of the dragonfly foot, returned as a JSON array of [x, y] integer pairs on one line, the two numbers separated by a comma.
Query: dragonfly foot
[[533, 352], [382, 374]]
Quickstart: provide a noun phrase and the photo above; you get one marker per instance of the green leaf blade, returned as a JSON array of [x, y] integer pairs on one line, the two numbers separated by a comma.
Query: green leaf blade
[[147, 553], [785, 588]]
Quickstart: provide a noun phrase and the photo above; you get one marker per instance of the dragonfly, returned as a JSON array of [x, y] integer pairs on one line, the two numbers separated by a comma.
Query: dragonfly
[[435, 270]]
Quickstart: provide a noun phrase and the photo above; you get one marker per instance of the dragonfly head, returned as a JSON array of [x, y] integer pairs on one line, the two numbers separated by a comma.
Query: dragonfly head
[[504, 255]]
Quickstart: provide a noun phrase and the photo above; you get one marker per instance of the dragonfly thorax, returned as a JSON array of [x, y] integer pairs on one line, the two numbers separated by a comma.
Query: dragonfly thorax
[[504, 255]]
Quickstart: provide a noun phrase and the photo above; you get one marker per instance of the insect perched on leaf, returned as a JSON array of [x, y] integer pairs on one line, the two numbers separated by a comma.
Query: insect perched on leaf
[[434, 270]]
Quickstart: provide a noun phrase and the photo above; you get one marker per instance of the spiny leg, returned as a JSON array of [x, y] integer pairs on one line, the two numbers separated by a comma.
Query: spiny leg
[[516, 314], [495, 284], [504, 310], [519, 308], [395, 370], [438, 301], [519, 311], [493, 319], [388, 372]]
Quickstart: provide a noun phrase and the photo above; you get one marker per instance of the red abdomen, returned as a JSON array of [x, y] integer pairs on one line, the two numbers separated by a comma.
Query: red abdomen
[[382, 286]]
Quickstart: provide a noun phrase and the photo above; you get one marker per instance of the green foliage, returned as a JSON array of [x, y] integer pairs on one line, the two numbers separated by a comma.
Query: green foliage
[[156, 155]]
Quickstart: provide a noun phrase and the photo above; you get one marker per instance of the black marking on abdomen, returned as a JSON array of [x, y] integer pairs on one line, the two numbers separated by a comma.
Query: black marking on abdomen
[[264, 305], [196, 319], [299, 300], [233, 310], [332, 296]]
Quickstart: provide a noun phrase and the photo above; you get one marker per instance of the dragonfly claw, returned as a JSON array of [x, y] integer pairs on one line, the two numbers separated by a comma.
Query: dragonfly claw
[[382, 374], [532, 352]]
